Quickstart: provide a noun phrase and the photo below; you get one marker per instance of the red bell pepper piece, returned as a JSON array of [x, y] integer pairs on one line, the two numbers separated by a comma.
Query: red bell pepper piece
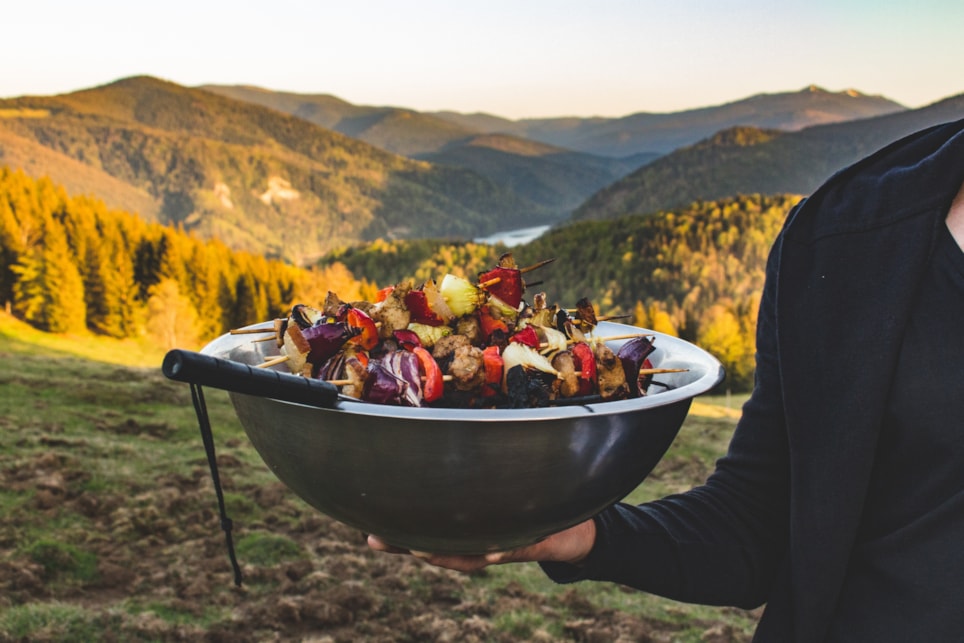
[[433, 384], [383, 294], [585, 363], [417, 303], [490, 324], [367, 336], [526, 336], [363, 358], [509, 286], [492, 364]]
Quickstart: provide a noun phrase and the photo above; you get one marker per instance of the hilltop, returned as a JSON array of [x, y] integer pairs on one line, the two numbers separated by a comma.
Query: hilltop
[[257, 179]]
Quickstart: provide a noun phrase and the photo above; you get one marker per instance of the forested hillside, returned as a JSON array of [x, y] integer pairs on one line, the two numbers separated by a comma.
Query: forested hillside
[[552, 177], [70, 265], [255, 178]]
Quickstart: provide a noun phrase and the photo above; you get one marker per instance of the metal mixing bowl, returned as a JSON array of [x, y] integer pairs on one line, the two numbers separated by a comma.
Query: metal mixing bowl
[[466, 482]]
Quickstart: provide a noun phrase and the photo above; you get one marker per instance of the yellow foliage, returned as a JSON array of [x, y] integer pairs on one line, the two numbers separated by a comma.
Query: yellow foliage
[[172, 320]]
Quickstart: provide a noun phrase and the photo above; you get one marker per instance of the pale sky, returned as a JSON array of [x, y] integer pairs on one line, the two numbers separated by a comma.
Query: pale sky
[[513, 58]]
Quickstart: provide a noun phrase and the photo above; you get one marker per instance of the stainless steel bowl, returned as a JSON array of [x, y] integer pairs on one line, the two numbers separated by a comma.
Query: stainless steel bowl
[[466, 482]]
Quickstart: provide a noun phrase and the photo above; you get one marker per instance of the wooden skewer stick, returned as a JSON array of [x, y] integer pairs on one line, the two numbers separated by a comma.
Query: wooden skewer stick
[[345, 382], [536, 265], [495, 280], [280, 359], [656, 371], [612, 338], [264, 339], [251, 331], [600, 339], [600, 317]]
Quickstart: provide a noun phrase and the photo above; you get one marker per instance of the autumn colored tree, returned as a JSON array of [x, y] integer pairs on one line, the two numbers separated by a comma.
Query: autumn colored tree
[[172, 321], [721, 334], [49, 292]]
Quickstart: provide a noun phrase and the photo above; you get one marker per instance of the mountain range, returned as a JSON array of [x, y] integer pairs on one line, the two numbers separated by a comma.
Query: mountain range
[[295, 176], [558, 162], [745, 160], [642, 134]]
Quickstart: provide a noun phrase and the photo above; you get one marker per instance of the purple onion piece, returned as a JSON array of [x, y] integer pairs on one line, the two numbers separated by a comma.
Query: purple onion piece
[[381, 386], [393, 379], [407, 337], [326, 340], [333, 368], [632, 354], [405, 365]]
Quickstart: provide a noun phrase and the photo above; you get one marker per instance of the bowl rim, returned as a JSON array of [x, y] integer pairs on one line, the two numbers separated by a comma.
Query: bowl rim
[[713, 373]]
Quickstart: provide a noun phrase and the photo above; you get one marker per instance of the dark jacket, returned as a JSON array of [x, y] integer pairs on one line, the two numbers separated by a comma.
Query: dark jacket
[[777, 520]]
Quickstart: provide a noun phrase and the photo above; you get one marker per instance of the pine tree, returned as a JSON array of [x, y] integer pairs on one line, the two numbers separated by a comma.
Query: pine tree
[[10, 249], [50, 291]]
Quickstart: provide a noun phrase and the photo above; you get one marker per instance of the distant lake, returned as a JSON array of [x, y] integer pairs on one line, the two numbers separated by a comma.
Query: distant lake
[[514, 237]]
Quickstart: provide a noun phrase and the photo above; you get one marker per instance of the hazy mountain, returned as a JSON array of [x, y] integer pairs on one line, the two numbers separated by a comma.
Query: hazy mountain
[[662, 133], [745, 160], [398, 130], [577, 156], [555, 178], [254, 177]]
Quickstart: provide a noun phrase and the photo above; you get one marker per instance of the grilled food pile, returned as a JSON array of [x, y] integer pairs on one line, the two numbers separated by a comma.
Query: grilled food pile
[[459, 344]]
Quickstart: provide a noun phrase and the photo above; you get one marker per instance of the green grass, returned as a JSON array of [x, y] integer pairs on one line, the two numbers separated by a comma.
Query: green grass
[[49, 621], [267, 549], [125, 439], [63, 561]]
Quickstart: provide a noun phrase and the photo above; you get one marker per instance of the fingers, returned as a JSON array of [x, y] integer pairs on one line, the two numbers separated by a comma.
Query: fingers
[[376, 543], [457, 563], [569, 546]]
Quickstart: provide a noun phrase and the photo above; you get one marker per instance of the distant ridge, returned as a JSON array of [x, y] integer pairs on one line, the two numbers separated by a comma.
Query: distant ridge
[[662, 133], [744, 160], [408, 132], [556, 163]]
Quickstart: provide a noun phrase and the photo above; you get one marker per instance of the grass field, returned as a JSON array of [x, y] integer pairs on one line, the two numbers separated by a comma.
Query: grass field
[[109, 528]]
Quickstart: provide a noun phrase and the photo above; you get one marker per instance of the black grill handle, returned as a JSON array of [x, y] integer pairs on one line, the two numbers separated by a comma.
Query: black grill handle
[[207, 370]]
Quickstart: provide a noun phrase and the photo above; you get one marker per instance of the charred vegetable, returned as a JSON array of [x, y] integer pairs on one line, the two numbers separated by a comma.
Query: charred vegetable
[[462, 344], [633, 355]]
